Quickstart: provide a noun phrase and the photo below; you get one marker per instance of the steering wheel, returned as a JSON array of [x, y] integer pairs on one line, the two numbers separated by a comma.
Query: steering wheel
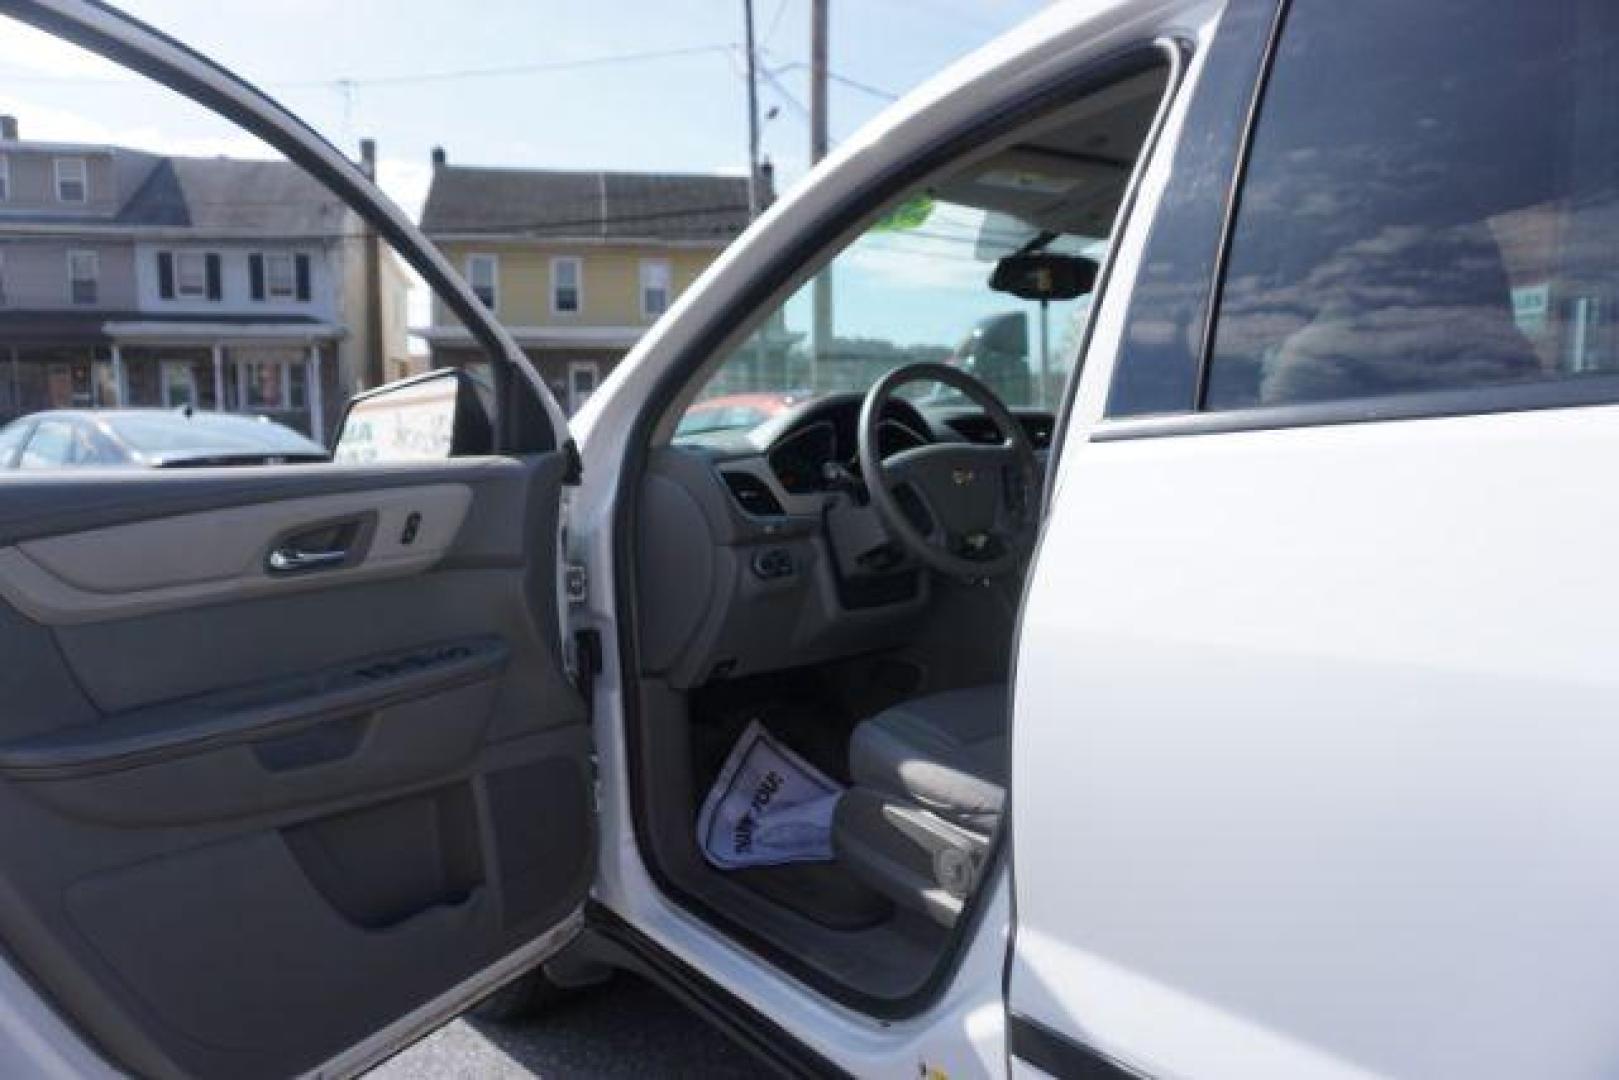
[[968, 510]]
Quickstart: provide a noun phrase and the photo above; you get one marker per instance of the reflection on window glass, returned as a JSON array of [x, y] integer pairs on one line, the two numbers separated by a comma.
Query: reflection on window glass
[[1450, 223]]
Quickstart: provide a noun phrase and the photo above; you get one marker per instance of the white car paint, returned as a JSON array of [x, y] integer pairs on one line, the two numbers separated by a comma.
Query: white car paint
[[1204, 840], [1410, 874]]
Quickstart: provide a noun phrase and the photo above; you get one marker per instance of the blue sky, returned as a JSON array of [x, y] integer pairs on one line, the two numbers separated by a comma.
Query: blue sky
[[620, 84], [337, 63]]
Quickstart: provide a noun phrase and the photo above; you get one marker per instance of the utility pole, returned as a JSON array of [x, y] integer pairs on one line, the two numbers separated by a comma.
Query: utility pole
[[818, 28], [753, 112], [821, 339], [375, 372]]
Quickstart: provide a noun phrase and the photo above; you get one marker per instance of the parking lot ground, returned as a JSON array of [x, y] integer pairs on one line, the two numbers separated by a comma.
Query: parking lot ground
[[625, 1029]]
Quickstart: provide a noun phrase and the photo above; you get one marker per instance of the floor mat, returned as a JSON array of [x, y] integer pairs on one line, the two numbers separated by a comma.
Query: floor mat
[[768, 806]]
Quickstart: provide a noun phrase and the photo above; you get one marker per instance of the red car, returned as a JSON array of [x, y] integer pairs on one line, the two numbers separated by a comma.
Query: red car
[[735, 412]]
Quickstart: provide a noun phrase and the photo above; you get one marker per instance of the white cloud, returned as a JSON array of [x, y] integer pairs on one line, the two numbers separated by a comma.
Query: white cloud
[[34, 50], [51, 124], [406, 182]]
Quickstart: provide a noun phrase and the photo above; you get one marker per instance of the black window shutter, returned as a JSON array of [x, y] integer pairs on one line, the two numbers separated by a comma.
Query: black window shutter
[[214, 290], [165, 275], [303, 277], [255, 273]]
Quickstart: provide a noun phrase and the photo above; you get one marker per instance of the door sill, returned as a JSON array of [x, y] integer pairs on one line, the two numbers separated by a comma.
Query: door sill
[[625, 946], [412, 1027]]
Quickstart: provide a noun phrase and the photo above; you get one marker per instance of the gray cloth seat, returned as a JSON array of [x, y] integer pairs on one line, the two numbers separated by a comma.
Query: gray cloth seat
[[929, 787], [945, 752]]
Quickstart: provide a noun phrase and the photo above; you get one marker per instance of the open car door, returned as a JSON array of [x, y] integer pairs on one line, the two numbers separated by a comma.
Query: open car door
[[291, 765]]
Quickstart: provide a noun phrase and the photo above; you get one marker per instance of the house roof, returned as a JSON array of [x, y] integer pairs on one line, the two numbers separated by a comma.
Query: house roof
[[600, 205], [233, 195]]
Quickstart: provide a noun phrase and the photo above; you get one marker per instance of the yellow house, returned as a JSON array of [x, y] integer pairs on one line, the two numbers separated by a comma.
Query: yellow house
[[576, 264]]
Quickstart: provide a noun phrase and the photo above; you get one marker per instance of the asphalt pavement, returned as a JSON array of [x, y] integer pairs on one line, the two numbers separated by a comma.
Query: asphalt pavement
[[625, 1029]]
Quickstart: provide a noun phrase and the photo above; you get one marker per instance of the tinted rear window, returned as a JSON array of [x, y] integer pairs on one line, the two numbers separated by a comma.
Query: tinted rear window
[[1431, 203]]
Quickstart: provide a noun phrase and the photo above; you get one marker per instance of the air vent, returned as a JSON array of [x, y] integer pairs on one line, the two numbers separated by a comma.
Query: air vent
[[752, 494], [1039, 429]]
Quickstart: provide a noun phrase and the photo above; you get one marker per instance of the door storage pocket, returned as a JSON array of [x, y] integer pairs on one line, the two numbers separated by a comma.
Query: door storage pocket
[[232, 945], [317, 738]]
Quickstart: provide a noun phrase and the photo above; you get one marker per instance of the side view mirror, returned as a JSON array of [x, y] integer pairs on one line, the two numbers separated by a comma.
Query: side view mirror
[[431, 417]]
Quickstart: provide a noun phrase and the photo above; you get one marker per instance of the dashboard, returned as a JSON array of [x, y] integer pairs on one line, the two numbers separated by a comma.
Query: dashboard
[[768, 552], [804, 450], [799, 457]]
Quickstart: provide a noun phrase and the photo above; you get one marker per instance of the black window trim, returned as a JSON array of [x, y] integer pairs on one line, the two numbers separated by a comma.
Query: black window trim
[[1482, 400], [1233, 206], [1180, 254]]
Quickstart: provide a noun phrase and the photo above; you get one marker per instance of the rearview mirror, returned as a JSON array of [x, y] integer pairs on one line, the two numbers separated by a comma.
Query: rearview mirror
[[1044, 275], [431, 417]]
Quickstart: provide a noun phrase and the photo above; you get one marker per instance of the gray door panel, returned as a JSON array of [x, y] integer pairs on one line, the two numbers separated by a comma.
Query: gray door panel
[[243, 833]]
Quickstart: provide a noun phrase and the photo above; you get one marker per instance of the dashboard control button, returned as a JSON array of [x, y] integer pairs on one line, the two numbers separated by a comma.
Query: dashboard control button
[[773, 563]]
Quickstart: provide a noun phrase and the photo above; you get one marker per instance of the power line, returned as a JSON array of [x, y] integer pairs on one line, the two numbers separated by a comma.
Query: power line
[[400, 79], [843, 80], [502, 71], [775, 21], [786, 94]]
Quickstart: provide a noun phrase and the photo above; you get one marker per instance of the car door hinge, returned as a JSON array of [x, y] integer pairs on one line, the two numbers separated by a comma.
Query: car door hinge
[[575, 472], [587, 661], [576, 583]]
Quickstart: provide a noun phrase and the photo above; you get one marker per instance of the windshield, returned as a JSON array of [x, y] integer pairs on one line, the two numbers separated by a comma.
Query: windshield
[[988, 267], [169, 434], [914, 287]]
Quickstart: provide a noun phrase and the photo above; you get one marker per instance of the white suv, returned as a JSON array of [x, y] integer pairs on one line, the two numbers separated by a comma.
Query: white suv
[[1171, 585]]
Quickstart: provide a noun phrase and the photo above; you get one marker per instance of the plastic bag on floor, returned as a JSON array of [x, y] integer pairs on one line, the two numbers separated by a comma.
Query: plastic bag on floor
[[768, 806]]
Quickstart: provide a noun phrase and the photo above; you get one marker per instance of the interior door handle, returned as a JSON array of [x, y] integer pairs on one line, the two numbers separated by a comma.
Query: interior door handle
[[290, 560], [319, 547]]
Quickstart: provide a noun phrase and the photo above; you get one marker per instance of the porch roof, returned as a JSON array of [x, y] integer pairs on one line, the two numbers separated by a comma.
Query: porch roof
[[100, 327], [599, 337]]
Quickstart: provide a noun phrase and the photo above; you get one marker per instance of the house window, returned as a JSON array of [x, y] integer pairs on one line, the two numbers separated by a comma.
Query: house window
[[191, 275], [565, 289], [263, 385], [278, 275], [83, 271], [483, 274], [280, 279], [5, 178], [655, 287], [72, 180]]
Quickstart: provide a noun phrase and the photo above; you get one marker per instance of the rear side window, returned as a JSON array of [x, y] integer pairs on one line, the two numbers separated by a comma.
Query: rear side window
[[1431, 202]]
